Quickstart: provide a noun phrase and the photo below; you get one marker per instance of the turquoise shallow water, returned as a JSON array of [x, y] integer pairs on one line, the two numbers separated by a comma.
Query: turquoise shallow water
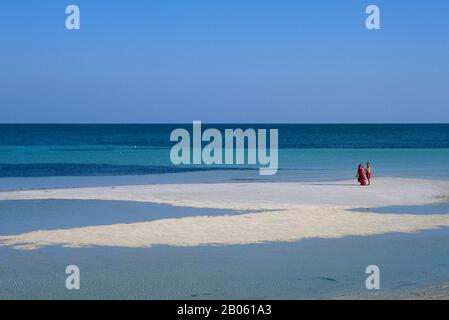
[[295, 165], [306, 270], [20, 216], [314, 268], [306, 151]]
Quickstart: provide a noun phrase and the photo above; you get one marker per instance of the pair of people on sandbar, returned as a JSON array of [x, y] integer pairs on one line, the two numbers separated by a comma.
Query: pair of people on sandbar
[[364, 175]]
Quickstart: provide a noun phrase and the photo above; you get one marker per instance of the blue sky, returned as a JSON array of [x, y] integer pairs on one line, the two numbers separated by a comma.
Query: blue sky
[[224, 61]]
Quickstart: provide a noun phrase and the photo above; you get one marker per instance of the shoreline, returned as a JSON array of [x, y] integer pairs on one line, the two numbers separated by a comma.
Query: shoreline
[[10, 184]]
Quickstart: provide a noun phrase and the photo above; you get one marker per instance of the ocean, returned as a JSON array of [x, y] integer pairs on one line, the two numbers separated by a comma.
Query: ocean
[[40, 156], [306, 151]]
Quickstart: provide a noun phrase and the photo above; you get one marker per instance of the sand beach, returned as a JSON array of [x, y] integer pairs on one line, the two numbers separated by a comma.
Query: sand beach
[[270, 212]]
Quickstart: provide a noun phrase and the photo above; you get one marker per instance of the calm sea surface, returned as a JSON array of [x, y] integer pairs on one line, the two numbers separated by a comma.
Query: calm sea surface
[[45, 156], [325, 151]]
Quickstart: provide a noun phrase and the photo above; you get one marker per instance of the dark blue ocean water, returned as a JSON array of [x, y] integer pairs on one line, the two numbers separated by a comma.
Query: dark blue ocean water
[[32, 150], [366, 136]]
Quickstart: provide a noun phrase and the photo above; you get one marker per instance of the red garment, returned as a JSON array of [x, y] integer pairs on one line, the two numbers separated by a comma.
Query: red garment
[[362, 177]]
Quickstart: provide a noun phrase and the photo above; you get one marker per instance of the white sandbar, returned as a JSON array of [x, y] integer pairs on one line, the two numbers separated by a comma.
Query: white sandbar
[[279, 212]]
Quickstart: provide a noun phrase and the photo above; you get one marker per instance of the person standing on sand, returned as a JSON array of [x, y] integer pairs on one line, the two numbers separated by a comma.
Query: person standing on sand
[[361, 175], [368, 172]]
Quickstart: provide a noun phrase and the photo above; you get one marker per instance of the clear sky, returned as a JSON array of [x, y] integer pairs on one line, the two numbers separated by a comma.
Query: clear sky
[[224, 61]]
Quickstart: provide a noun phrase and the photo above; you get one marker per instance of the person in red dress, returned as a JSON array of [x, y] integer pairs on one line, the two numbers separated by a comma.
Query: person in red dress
[[361, 175]]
